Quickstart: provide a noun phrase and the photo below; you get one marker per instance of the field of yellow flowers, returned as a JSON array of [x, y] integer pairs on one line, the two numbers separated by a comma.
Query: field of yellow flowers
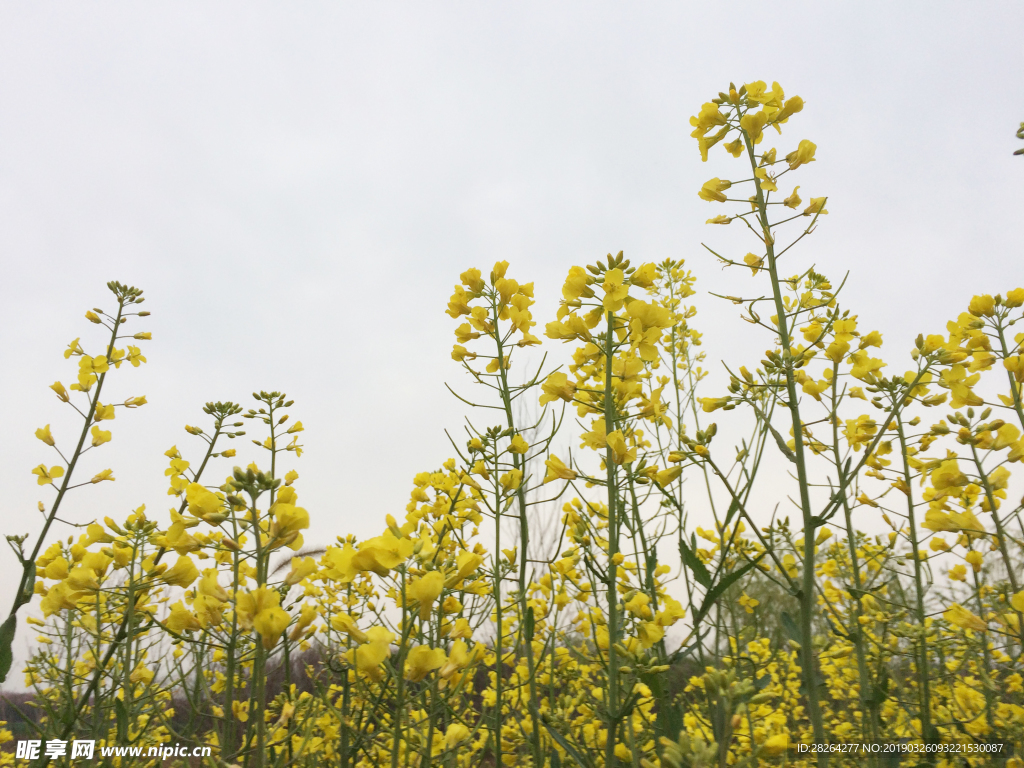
[[797, 637]]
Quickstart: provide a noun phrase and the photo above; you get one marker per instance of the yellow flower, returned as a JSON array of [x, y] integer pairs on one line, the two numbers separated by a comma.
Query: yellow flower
[[511, 480], [465, 565], [817, 206], [62, 393], [577, 284], [97, 533], [976, 559], [968, 699], [135, 356], [240, 711], [338, 564], [713, 189], [734, 148], [459, 303], [180, 540], [56, 569], [710, 404], [775, 745], [804, 154], [753, 124], [766, 182], [793, 201], [710, 116], [270, 623], [141, 674], [182, 574], [425, 590], [249, 604], [519, 445], [289, 518], [471, 279], [47, 476], [371, 654], [260, 610], [204, 504], [104, 412], [649, 633], [382, 553], [460, 353], [557, 470], [99, 477], [961, 617], [343, 622], [93, 365], [621, 453], [307, 615], [948, 475], [865, 367], [209, 610], [668, 476], [615, 289], [99, 436], [302, 567], [44, 435], [455, 735], [209, 586], [748, 603], [181, 619], [74, 348], [557, 387], [59, 597], [789, 108], [982, 306], [422, 660]]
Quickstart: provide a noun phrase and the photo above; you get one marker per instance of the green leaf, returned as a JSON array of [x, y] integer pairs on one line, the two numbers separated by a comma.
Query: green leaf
[[122, 720], [782, 444], [694, 563], [734, 507], [7, 630], [879, 691], [790, 626], [681, 653], [28, 585], [528, 624], [715, 592], [560, 740], [668, 720]]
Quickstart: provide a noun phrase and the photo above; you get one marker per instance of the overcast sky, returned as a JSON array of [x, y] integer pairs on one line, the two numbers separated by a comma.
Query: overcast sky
[[297, 187]]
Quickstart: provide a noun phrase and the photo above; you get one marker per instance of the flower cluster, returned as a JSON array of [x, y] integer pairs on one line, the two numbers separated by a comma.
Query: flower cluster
[[652, 599]]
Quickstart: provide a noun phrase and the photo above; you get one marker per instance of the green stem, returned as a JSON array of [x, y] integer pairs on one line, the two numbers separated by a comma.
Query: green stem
[[810, 525], [923, 666], [614, 716], [519, 463], [856, 630], [24, 593]]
